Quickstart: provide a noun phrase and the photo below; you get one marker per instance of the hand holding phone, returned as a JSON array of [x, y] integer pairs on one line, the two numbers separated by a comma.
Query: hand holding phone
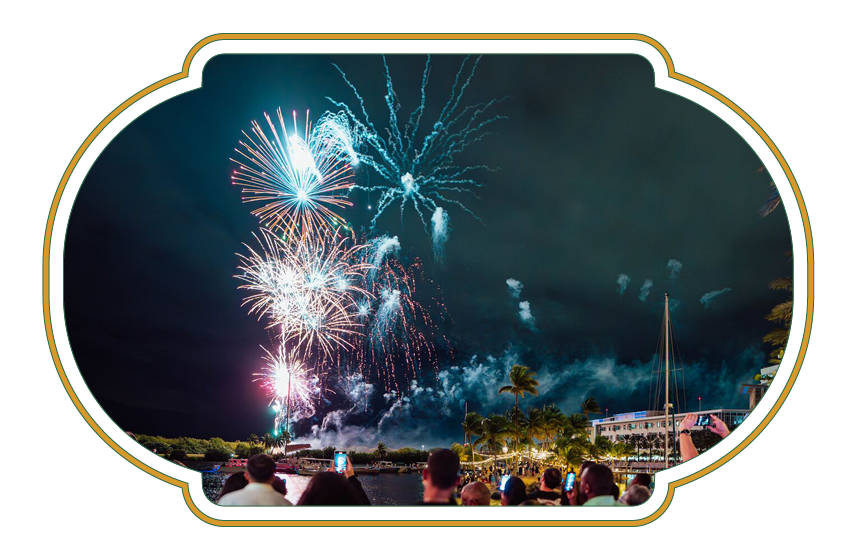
[[504, 482], [718, 426]]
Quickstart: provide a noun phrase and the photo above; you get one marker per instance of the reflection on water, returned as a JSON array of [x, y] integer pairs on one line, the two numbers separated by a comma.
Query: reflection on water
[[383, 489]]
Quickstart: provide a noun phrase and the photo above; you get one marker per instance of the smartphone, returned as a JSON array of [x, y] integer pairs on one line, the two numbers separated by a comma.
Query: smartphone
[[569, 482], [505, 478], [703, 420], [340, 461]]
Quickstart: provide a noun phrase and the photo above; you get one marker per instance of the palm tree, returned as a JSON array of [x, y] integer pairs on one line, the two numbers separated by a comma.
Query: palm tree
[[780, 314], [571, 456], [572, 448], [601, 447], [461, 450], [575, 425], [590, 406], [773, 199], [381, 450], [520, 423], [621, 450], [535, 425], [472, 427], [279, 439], [494, 431], [267, 441], [522, 382], [553, 424]]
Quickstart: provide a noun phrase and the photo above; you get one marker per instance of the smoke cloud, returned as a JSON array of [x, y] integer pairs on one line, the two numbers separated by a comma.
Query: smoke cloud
[[515, 286], [408, 419], [644, 290], [622, 283], [439, 232], [675, 267], [526, 316], [706, 298]]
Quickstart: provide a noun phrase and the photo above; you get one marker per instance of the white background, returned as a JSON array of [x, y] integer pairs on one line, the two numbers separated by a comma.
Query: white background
[[66, 66]]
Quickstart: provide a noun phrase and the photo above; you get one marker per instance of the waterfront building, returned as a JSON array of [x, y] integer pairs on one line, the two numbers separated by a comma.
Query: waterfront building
[[650, 423]]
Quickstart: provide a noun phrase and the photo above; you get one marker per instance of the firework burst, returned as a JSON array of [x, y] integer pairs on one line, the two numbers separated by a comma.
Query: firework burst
[[309, 287], [293, 388], [418, 168], [398, 330], [298, 179]]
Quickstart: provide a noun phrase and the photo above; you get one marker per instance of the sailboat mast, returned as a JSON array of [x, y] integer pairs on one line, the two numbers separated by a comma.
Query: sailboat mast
[[666, 381]]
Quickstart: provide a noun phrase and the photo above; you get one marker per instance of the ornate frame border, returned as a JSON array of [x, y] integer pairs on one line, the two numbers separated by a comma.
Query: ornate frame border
[[432, 523]]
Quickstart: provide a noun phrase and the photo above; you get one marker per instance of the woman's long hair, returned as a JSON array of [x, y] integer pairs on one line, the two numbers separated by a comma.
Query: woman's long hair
[[328, 489], [235, 481], [514, 491]]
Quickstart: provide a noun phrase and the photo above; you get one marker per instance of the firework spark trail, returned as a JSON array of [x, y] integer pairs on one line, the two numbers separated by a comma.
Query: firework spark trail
[[309, 287], [399, 331], [427, 175], [379, 249], [297, 179], [333, 128], [439, 232], [288, 381]]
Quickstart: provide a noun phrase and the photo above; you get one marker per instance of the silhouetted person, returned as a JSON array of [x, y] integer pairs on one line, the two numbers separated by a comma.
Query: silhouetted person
[[642, 479], [635, 495], [440, 478], [279, 485], [328, 489], [333, 489], [475, 494], [234, 482], [514, 492], [550, 482], [259, 490], [597, 483]]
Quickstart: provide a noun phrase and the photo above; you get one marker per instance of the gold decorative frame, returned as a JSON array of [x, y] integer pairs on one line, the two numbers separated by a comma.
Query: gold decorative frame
[[433, 523]]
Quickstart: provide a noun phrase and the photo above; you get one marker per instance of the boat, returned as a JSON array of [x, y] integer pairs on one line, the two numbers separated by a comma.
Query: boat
[[371, 471], [241, 465], [387, 467], [234, 465], [307, 466], [285, 468]]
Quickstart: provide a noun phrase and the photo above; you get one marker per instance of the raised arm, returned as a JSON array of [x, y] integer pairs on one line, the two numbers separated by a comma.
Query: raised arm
[[686, 444]]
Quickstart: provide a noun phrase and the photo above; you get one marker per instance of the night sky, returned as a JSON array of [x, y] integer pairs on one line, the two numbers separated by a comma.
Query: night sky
[[599, 174]]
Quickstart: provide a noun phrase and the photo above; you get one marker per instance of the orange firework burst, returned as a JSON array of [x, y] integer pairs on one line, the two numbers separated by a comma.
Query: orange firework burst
[[298, 180]]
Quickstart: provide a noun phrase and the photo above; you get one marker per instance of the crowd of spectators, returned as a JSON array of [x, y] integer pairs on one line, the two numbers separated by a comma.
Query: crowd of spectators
[[443, 480]]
